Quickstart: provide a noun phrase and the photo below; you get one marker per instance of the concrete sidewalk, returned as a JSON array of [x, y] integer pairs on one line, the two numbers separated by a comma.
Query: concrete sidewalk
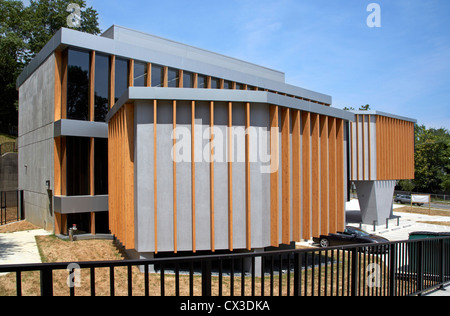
[[20, 247]]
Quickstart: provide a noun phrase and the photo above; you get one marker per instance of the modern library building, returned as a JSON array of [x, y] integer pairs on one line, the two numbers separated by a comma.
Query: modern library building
[[172, 148]]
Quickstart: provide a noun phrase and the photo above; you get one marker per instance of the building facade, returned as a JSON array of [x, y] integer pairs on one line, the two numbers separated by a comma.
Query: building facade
[[173, 148]]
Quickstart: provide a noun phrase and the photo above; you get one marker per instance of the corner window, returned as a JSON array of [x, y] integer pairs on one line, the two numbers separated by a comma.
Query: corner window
[[78, 84]]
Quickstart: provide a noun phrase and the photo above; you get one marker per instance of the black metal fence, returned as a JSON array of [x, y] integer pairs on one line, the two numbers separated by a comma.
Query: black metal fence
[[392, 269], [11, 206]]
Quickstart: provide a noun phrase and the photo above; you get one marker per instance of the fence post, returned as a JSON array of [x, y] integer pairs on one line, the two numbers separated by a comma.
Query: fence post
[[46, 282], [392, 269], [442, 263], [420, 267], [297, 272], [206, 278], [355, 272]]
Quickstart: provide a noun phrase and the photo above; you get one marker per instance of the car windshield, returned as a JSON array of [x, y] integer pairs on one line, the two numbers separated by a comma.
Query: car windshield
[[358, 232]]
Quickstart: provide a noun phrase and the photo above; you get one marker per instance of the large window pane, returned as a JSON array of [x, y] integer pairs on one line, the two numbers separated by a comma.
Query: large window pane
[[188, 81], [227, 84], [173, 77], [77, 166], [78, 85], [215, 83], [140, 74], [121, 77], [101, 87], [101, 166], [157, 76], [201, 82]]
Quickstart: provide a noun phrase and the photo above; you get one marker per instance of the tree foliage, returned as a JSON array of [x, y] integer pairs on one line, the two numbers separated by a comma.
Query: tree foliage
[[432, 159], [24, 31]]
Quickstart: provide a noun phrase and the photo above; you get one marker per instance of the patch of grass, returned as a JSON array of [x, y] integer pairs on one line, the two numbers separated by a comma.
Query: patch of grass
[[7, 138], [422, 211], [17, 227]]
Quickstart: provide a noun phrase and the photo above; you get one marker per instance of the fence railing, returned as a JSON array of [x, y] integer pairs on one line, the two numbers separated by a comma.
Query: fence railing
[[11, 206], [391, 269]]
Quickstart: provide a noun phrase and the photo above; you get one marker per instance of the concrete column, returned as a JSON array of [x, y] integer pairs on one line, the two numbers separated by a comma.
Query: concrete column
[[375, 200]]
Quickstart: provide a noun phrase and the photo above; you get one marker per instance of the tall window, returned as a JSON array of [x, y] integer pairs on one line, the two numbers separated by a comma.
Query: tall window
[[173, 77], [215, 83], [227, 84], [188, 79], [201, 82], [77, 166], [101, 166], [157, 76], [78, 85], [121, 77], [140, 74], [101, 87]]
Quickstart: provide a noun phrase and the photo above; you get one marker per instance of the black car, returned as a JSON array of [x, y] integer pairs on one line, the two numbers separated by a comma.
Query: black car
[[350, 236]]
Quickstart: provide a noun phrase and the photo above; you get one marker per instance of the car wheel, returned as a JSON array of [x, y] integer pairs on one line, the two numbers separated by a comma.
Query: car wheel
[[324, 243]]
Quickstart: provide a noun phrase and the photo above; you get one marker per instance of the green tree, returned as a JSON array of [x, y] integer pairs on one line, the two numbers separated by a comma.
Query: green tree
[[432, 159], [23, 33], [361, 108]]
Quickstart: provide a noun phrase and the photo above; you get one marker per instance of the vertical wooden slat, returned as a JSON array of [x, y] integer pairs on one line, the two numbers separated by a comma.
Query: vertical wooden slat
[[324, 177], [306, 179], [352, 151], [112, 80], [129, 173], [175, 223], [296, 176], [333, 170], [340, 222], [92, 86], [274, 177], [247, 178], [315, 166], [131, 72], [148, 82], [230, 176], [165, 77], [357, 147], [194, 249], [211, 177], [286, 176], [369, 145]]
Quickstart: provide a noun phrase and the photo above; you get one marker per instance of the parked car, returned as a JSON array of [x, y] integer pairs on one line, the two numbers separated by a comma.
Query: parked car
[[405, 199], [350, 236]]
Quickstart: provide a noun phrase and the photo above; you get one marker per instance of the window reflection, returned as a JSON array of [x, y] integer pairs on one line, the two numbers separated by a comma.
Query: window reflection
[[78, 85], [201, 82], [188, 81], [157, 76], [101, 87], [140, 74], [227, 84], [121, 77], [215, 83], [173, 78]]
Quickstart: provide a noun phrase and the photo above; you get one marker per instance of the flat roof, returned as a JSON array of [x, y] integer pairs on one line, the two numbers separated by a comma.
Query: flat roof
[[123, 42], [379, 113]]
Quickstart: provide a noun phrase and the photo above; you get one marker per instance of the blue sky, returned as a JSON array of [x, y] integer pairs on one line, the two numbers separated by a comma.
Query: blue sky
[[403, 67]]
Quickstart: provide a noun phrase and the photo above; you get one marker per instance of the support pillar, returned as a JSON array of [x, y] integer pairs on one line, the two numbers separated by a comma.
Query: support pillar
[[375, 200]]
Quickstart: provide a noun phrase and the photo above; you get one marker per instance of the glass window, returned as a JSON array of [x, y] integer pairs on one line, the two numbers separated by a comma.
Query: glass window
[[101, 166], [201, 82], [77, 173], [250, 87], [173, 78], [101, 87], [157, 76], [140, 74], [78, 85], [239, 86], [215, 83], [227, 84], [188, 81], [121, 77]]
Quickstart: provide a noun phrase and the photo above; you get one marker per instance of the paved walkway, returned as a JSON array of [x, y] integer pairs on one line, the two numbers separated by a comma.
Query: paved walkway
[[20, 247]]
